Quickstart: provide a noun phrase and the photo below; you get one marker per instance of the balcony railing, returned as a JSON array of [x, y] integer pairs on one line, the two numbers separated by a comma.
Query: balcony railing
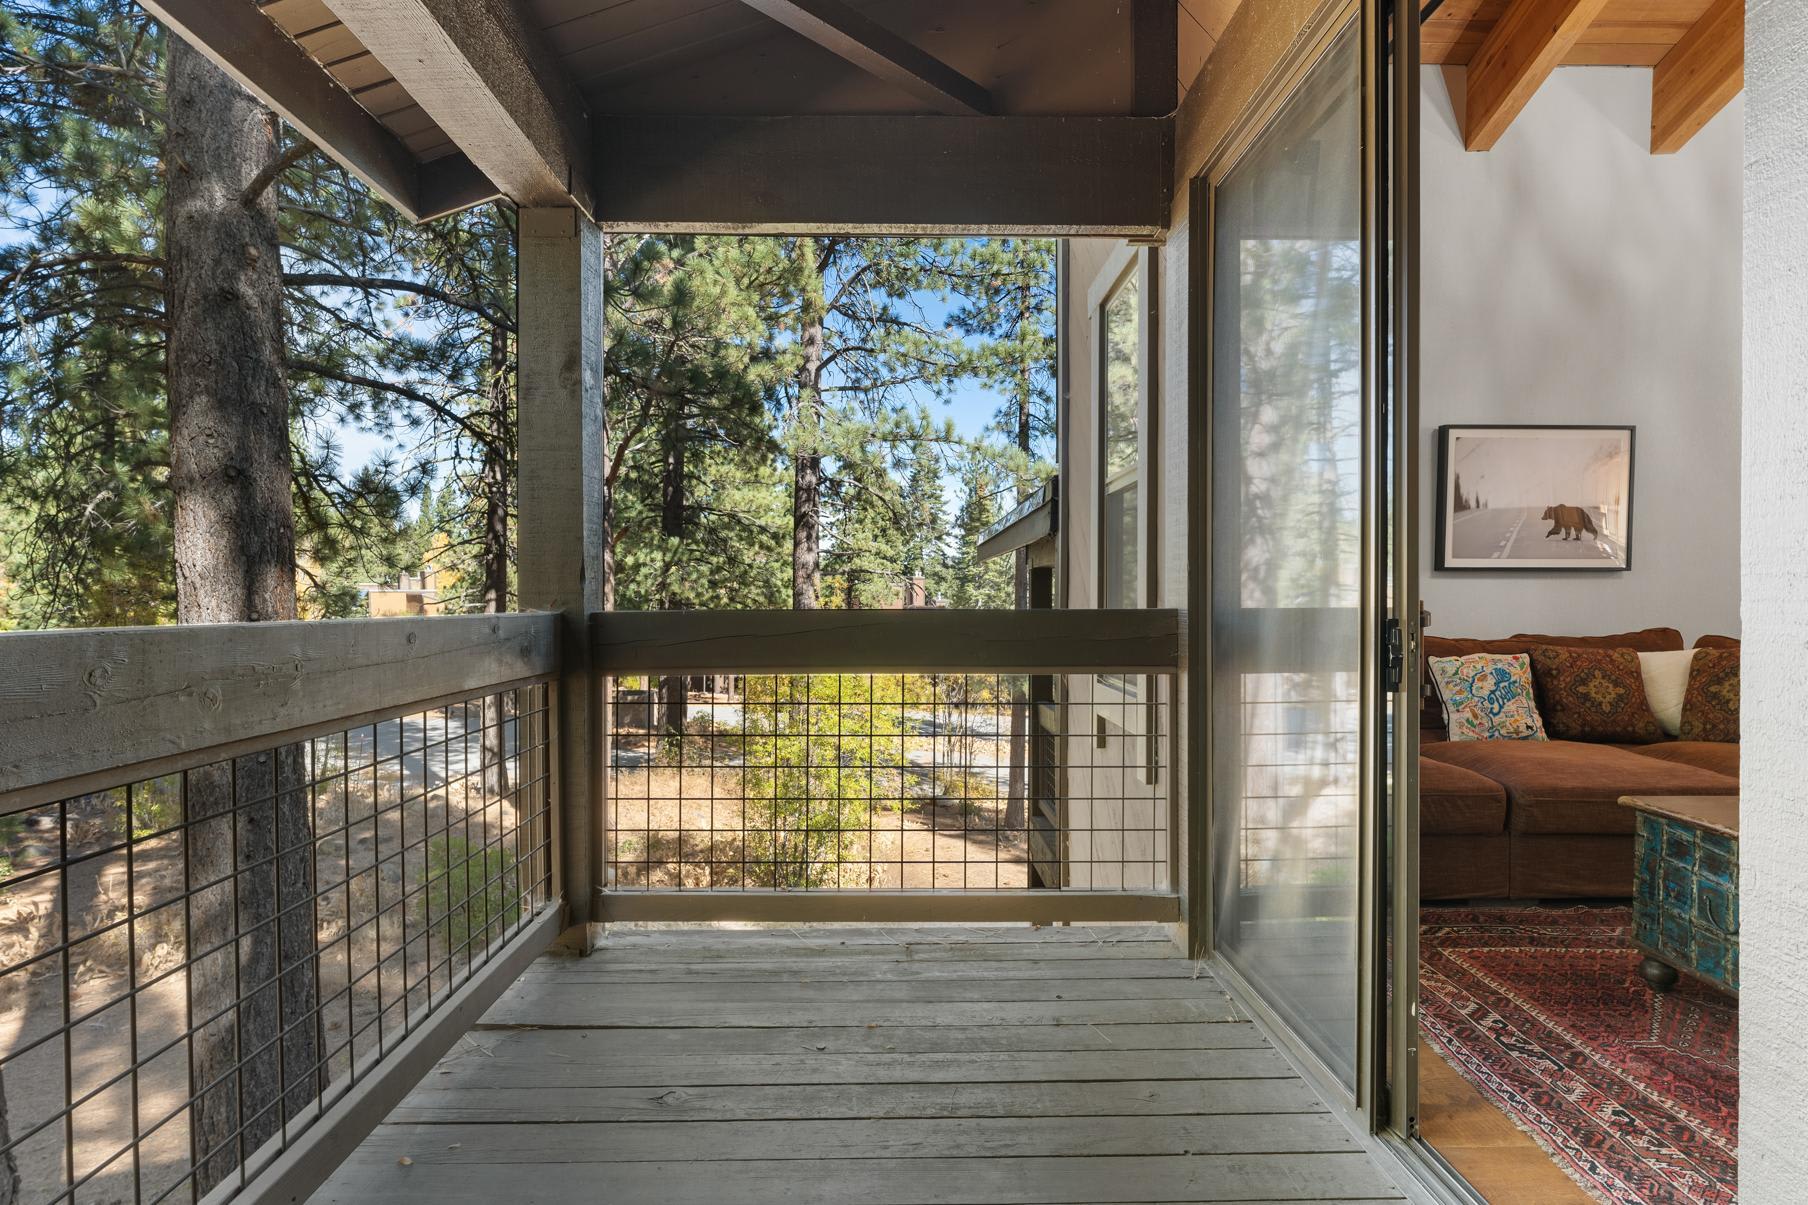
[[244, 872], [255, 878], [887, 765]]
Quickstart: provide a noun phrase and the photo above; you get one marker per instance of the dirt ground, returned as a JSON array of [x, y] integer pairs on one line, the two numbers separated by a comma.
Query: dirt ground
[[918, 828], [415, 868]]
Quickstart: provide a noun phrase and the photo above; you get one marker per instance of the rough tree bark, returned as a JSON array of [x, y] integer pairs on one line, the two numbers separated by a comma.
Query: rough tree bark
[[806, 469], [675, 698], [495, 478], [1018, 790], [613, 463], [250, 841]]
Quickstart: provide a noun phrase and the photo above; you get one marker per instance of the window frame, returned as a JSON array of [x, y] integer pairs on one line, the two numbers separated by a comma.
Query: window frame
[[1116, 695]]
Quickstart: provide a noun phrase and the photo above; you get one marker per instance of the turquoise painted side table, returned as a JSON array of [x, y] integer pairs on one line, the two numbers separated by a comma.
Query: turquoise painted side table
[[1685, 910]]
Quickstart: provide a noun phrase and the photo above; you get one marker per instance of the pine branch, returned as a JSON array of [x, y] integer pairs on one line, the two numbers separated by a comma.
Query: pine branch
[[267, 174]]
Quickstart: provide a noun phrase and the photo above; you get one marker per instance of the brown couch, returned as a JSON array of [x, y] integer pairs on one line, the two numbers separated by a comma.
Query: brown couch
[[1541, 819]]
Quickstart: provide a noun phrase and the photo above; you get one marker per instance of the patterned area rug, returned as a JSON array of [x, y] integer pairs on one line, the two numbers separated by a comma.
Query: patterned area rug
[[1636, 1096]]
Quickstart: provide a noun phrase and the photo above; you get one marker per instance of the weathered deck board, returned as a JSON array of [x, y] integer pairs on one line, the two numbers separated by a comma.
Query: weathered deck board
[[907, 1039], [566, 1064], [830, 968], [806, 1102], [842, 1064]]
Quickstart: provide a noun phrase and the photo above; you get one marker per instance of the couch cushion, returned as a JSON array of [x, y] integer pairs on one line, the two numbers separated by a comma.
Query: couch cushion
[[1454, 801], [1488, 697], [1717, 642], [1431, 711], [1593, 695], [1666, 677], [1571, 787], [1722, 757], [1710, 705]]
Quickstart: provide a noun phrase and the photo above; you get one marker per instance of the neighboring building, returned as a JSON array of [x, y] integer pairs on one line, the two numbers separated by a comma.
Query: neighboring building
[[413, 594]]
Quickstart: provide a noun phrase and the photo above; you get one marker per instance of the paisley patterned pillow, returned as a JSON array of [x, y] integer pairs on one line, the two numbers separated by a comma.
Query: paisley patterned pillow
[[1488, 697], [1710, 707], [1594, 695]]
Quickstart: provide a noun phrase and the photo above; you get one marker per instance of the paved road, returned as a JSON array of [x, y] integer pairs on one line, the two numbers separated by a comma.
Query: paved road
[[1517, 533]]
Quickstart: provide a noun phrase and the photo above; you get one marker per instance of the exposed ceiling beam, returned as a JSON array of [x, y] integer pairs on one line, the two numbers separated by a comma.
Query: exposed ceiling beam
[[1155, 37], [1704, 71], [1530, 39], [479, 71], [250, 47], [451, 184], [887, 175], [876, 50]]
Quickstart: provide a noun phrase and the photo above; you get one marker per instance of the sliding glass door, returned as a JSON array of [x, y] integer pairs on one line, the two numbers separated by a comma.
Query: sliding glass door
[[1303, 523]]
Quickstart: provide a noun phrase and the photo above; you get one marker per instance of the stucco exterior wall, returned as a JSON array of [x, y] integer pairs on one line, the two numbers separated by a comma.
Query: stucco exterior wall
[[1773, 1121]]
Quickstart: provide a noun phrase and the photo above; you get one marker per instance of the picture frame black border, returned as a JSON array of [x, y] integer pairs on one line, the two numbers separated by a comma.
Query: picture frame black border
[[1442, 518]]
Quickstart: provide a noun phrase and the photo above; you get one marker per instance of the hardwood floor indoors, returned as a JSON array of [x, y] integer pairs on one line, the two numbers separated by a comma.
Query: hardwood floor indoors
[[1499, 1159]]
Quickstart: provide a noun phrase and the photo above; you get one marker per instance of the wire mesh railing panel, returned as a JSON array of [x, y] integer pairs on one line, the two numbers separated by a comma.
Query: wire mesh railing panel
[[194, 967], [842, 782], [1299, 747]]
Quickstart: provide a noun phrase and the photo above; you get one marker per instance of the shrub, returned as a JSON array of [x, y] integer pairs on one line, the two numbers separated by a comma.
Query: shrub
[[473, 891]]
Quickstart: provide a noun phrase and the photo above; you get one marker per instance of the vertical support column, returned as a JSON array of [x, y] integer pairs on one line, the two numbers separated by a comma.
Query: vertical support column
[[1773, 845], [559, 553]]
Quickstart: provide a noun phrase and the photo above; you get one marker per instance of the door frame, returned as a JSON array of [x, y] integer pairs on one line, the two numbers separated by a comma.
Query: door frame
[[1383, 1106]]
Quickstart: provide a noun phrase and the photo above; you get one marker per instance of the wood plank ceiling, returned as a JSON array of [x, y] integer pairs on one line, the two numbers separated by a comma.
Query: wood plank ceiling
[[1022, 58], [727, 57]]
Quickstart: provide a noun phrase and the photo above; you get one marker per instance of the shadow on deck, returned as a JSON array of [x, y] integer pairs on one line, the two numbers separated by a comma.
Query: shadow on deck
[[831, 1064]]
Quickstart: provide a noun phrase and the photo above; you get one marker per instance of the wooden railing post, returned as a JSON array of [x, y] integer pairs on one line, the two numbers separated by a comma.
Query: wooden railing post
[[561, 511]]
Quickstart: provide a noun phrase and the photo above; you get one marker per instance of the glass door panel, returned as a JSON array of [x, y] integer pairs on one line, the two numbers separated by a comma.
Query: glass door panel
[[1287, 558]]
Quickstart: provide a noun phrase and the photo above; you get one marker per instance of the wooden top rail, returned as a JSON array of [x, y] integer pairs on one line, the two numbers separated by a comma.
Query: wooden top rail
[[919, 642], [85, 709]]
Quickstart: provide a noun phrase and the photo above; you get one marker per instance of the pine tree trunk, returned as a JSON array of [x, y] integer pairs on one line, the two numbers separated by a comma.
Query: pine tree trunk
[[234, 535], [806, 472], [608, 550], [495, 548], [671, 486], [674, 703], [1015, 807]]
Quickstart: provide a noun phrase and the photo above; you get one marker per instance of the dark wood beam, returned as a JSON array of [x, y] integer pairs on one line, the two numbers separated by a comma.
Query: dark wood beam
[[893, 174], [451, 184], [928, 641], [853, 36], [1155, 34], [250, 47], [1704, 71], [1528, 41], [478, 70]]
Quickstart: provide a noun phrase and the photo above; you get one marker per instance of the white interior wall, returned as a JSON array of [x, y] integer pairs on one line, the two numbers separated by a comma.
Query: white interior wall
[[1571, 276], [1773, 864]]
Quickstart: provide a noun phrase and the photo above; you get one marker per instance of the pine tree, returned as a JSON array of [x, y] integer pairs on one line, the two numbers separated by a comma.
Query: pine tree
[[861, 353], [976, 584]]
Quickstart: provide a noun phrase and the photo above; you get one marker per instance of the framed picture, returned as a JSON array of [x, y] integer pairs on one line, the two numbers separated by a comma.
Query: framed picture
[[1534, 498]]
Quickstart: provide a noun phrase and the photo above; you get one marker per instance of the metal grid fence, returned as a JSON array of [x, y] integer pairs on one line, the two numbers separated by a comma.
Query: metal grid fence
[[1299, 746], [194, 967], [837, 782]]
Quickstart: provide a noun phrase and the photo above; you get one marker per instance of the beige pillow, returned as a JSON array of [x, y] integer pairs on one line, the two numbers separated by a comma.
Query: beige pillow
[[1666, 682]]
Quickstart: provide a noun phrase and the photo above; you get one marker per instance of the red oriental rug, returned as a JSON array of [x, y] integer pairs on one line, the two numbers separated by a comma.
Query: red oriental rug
[[1636, 1096]]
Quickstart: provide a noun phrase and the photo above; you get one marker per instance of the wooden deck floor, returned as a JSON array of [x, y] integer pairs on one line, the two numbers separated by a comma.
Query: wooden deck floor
[[869, 1065]]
